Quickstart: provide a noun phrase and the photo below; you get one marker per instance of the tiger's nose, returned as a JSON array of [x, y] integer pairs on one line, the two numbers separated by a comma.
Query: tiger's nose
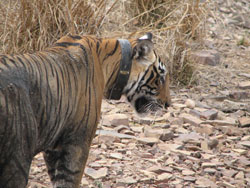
[[166, 105]]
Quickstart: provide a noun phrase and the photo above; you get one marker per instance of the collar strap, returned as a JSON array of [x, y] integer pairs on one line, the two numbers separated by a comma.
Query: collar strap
[[124, 72]]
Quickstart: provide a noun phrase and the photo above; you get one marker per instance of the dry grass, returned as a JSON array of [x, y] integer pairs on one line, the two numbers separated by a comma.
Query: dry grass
[[28, 25], [179, 26]]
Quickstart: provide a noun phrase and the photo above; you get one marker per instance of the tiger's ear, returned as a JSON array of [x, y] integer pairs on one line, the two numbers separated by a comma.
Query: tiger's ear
[[144, 47]]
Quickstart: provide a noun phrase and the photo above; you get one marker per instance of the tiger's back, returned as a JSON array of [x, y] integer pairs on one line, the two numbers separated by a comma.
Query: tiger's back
[[50, 101]]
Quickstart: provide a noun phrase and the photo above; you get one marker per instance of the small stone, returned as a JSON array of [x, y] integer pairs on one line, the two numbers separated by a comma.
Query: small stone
[[148, 174], [229, 172], [113, 134], [205, 129], [239, 95], [245, 75], [189, 178], [195, 112], [244, 121], [156, 133], [188, 172], [192, 120], [116, 156], [240, 151], [137, 129], [178, 106], [213, 143], [96, 174], [210, 170], [245, 144], [190, 103], [221, 122], [84, 182], [127, 180], [246, 138], [244, 85], [204, 145], [169, 147], [208, 165], [148, 141], [205, 182], [227, 185], [116, 119], [240, 175], [209, 114], [160, 170], [207, 57], [167, 135], [164, 176]]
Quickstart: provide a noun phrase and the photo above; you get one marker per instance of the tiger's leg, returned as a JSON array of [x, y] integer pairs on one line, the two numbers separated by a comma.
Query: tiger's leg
[[17, 137], [66, 162]]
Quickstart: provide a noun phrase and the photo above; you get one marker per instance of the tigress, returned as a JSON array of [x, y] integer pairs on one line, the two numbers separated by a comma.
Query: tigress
[[50, 101]]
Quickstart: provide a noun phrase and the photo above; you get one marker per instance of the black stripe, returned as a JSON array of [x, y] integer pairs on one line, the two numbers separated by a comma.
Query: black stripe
[[113, 51], [75, 37]]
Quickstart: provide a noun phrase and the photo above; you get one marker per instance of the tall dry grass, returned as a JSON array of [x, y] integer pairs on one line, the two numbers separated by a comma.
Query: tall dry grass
[[177, 25], [28, 25]]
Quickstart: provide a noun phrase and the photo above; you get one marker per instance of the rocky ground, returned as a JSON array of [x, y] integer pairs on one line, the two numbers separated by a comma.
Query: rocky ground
[[203, 139]]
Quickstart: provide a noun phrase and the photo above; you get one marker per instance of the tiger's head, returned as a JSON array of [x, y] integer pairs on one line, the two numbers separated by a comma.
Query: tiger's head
[[148, 84]]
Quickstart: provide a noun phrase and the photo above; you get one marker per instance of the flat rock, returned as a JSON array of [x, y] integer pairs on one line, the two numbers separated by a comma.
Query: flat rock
[[240, 175], [160, 170], [189, 178], [208, 165], [167, 135], [116, 156], [244, 85], [148, 140], [209, 114], [227, 185], [114, 134], [246, 138], [169, 147], [188, 173], [245, 144], [210, 170], [192, 120], [205, 182], [178, 106], [229, 172], [245, 75], [149, 174], [221, 122], [116, 119], [206, 57], [244, 121], [195, 112], [240, 151], [150, 132], [84, 182], [239, 95], [205, 129], [127, 180], [96, 174], [164, 176]]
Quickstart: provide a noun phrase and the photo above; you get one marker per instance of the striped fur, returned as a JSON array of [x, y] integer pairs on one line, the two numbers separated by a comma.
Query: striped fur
[[50, 102]]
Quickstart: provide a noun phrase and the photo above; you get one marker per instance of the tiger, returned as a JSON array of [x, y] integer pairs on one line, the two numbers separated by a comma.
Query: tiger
[[50, 101]]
